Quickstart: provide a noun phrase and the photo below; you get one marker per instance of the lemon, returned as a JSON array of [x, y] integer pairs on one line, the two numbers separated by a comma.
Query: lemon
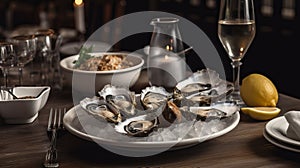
[[258, 91], [261, 113]]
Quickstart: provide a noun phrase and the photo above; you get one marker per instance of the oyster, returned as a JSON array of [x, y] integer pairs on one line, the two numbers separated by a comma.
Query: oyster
[[139, 126], [217, 110], [172, 113], [101, 109], [121, 98], [153, 97], [202, 88]]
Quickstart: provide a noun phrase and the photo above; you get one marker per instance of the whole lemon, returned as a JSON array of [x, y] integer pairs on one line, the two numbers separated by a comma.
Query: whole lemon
[[258, 91]]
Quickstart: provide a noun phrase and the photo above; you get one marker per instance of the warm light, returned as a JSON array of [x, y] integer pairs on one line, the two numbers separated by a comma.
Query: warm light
[[241, 49], [78, 2], [166, 57], [169, 48]]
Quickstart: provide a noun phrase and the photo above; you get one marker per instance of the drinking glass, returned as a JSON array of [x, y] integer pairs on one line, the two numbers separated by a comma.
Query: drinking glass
[[54, 78], [42, 53], [25, 49], [236, 31], [166, 61], [7, 59]]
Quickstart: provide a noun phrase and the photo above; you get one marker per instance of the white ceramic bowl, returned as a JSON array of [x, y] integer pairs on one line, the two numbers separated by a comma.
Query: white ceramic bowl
[[22, 111], [93, 81]]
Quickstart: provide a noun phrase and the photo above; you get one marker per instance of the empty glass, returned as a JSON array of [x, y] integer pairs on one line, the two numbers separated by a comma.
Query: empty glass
[[25, 49], [54, 78], [42, 53], [7, 59]]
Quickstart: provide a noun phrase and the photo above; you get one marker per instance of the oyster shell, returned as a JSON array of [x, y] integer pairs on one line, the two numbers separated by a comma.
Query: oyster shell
[[121, 98], [101, 109], [201, 88], [153, 97], [139, 126], [172, 113], [217, 110], [204, 77]]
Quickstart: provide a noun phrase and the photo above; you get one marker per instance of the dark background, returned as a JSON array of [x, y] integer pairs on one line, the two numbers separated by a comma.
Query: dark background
[[273, 52]]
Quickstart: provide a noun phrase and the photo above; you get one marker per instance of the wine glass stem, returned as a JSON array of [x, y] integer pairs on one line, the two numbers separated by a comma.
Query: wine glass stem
[[236, 76], [5, 73], [20, 75]]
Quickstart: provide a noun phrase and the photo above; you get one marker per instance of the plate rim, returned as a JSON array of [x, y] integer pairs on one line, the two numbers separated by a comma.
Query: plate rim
[[66, 47], [275, 134], [278, 144], [148, 145]]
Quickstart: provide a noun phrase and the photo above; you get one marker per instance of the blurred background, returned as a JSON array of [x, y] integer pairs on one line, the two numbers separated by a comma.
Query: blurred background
[[273, 52]]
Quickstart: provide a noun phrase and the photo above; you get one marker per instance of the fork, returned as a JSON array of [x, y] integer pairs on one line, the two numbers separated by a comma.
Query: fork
[[55, 124]]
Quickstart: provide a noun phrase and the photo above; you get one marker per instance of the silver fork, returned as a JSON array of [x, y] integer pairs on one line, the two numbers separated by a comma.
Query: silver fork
[[55, 124]]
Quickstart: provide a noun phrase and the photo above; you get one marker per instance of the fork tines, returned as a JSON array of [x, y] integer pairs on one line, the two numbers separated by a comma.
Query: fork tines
[[56, 121]]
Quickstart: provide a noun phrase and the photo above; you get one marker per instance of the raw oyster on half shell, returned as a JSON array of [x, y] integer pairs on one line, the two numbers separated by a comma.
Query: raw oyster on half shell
[[101, 109], [218, 110], [139, 126], [201, 88], [121, 98], [172, 113], [153, 97]]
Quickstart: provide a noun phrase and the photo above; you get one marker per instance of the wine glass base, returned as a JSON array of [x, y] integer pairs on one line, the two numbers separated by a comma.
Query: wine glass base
[[237, 99]]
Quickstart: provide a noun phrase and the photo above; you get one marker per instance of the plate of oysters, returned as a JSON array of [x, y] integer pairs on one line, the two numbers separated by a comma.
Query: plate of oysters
[[155, 119]]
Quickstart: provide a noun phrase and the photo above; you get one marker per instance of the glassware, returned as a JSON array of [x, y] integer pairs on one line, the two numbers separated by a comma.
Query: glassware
[[7, 59], [236, 31], [25, 49], [54, 77], [166, 61], [42, 52]]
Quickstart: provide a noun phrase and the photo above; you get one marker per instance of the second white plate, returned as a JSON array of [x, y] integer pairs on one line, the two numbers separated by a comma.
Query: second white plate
[[280, 144], [277, 129], [73, 48]]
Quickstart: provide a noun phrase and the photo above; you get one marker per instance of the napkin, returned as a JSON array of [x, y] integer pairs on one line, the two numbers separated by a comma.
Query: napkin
[[293, 118]]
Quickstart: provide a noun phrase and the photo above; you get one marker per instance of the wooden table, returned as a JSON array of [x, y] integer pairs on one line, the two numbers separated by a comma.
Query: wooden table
[[26, 145]]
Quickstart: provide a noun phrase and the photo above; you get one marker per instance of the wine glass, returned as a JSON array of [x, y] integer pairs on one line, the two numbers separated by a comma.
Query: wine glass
[[7, 59], [166, 61], [25, 49], [44, 43], [236, 31]]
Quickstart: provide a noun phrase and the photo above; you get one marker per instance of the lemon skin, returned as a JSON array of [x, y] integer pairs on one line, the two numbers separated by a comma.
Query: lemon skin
[[258, 91], [261, 113]]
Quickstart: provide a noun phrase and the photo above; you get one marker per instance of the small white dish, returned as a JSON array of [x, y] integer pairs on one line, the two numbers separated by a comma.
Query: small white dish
[[277, 129], [23, 111], [279, 143]]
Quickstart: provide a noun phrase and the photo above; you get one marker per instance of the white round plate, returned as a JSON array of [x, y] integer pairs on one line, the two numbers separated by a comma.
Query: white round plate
[[72, 124], [73, 48], [277, 129], [280, 143]]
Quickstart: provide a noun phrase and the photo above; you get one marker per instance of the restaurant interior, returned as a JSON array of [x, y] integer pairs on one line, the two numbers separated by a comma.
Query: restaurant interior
[[272, 53], [57, 108]]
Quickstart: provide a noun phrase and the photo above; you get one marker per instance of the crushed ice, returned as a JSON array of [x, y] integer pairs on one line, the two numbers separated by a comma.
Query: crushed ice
[[175, 132]]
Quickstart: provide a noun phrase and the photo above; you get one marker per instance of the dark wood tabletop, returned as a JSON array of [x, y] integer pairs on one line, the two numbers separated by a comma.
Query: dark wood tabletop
[[25, 145]]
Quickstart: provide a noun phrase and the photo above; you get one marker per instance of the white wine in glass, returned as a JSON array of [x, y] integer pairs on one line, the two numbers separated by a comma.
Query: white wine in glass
[[236, 31]]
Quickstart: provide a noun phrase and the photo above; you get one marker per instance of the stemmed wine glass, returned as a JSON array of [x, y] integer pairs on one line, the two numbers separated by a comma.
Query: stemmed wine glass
[[7, 59], [48, 43], [42, 54], [236, 31], [25, 48]]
